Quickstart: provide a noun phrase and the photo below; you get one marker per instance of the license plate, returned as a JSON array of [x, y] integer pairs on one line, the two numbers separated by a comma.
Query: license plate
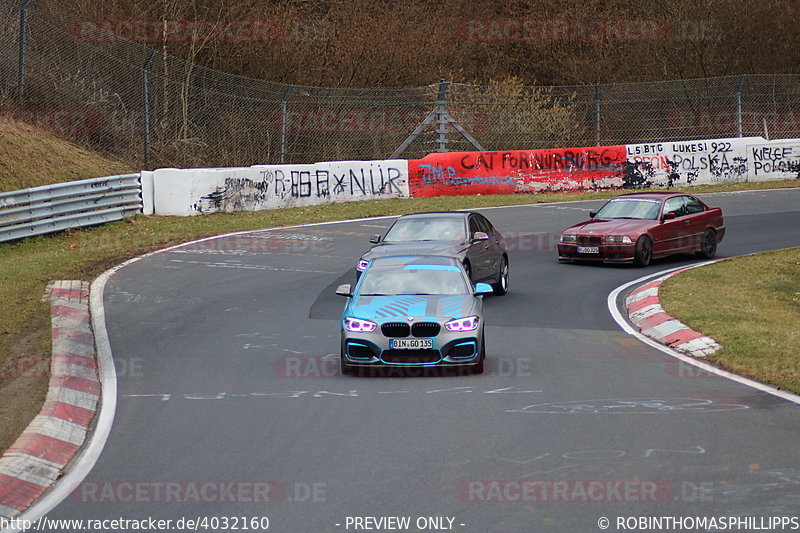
[[588, 250], [411, 344]]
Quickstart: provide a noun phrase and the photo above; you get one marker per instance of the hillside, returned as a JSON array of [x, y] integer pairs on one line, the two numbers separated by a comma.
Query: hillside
[[31, 156], [363, 43], [224, 76]]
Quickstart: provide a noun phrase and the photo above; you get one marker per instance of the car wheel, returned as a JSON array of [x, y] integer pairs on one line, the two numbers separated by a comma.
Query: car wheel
[[644, 251], [501, 287], [477, 368], [708, 244], [347, 370]]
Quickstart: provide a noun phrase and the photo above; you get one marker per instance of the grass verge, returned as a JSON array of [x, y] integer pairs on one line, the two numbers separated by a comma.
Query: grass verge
[[750, 306], [27, 266]]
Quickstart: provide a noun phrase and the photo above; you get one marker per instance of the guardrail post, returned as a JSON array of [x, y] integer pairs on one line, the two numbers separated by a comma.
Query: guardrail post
[[597, 102], [23, 37], [146, 109], [739, 88], [441, 116], [284, 104]]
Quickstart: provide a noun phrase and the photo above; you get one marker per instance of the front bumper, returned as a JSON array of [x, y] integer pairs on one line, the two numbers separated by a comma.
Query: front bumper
[[373, 349], [607, 253], [720, 233]]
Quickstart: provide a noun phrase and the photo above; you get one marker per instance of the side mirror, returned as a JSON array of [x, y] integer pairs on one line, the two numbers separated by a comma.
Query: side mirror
[[375, 239], [483, 288], [668, 216], [480, 236], [592, 214], [345, 289]]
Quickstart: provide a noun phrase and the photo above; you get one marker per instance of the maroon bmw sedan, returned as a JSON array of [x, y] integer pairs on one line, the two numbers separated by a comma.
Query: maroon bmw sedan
[[638, 227]]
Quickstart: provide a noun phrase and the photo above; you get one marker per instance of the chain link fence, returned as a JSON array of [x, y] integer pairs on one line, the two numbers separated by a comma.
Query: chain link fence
[[134, 103]]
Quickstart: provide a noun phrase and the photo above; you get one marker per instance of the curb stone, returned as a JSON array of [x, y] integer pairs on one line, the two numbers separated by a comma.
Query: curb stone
[[645, 311], [38, 457]]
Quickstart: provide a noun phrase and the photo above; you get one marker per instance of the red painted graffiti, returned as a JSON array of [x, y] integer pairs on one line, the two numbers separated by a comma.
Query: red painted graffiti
[[520, 171]]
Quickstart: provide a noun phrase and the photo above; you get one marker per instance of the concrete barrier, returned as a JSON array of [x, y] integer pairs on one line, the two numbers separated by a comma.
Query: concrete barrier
[[774, 160], [634, 166], [676, 164], [184, 192], [518, 171]]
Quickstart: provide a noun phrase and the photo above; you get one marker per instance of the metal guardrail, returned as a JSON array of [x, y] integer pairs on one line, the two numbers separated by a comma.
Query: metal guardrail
[[74, 204]]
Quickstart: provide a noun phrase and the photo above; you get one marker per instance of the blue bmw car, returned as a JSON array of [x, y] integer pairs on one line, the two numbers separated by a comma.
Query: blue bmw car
[[413, 311]]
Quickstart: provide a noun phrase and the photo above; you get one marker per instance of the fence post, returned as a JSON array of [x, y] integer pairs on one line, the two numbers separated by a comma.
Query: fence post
[[441, 118], [597, 114], [284, 103], [146, 108], [23, 37], [739, 105]]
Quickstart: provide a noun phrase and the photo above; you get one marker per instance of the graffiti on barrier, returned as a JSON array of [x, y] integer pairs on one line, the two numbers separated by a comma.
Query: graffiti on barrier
[[776, 160], [199, 191], [634, 166], [519, 171], [677, 164]]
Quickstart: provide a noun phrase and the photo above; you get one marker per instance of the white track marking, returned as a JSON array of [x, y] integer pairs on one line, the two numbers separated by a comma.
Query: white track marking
[[87, 457], [626, 326]]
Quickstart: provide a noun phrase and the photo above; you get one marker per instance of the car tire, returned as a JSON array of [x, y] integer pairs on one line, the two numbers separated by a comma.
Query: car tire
[[501, 287], [477, 368], [708, 244], [644, 251], [346, 369]]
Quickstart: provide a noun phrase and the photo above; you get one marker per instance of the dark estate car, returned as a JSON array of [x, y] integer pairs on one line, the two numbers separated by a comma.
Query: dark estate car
[[637, 227], [418, 311], [465, 235]]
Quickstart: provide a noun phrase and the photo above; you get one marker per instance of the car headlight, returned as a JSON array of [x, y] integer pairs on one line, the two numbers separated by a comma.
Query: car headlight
[[569, 237], [624, 239], [469, 323], [361, 266], [357, 325]]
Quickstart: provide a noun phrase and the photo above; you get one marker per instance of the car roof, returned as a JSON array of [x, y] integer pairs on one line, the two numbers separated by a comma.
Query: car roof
[[438, 214], [651, 195]]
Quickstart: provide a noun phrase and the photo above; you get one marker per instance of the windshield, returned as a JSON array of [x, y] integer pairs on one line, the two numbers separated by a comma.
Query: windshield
[[427, 229], [413, 279], [642, 208]]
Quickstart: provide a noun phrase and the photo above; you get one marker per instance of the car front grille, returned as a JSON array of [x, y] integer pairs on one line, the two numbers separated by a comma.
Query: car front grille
[[395, 329], [425, 329], [411, 356], [589, 240]]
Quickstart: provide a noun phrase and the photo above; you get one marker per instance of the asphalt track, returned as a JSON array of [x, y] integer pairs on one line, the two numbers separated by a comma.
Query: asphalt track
[[226, 353]]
